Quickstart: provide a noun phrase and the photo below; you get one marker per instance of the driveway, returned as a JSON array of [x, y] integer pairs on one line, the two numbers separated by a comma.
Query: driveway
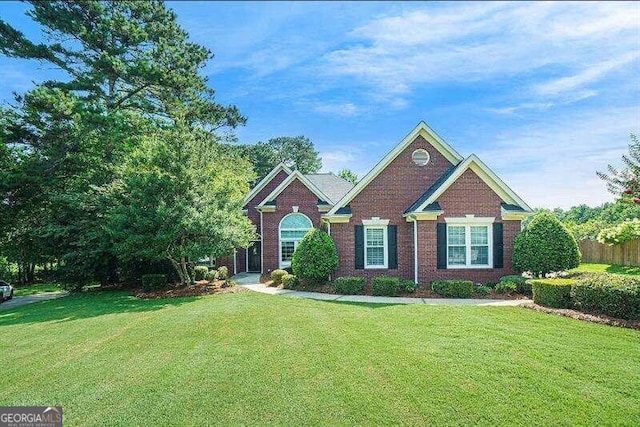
[[28, 299], [252, 281]]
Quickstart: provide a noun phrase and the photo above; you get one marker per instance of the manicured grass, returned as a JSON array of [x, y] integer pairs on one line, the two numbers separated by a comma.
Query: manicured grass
[[36, 289], [248, 358], [609, 268]]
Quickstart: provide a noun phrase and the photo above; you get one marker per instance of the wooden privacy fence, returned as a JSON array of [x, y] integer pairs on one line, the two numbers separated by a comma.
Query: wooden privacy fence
[[627, 253]]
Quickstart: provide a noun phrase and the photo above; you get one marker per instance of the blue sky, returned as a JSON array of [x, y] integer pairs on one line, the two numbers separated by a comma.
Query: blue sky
[[545, 93]]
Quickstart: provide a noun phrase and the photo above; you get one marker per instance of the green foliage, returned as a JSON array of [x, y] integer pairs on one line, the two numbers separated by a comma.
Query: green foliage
[[506, 287], [152, 282], [408, 286], [522, 285], [385, 286], [348, 175], [623, 232], [223, 273], [200, 272], [5, 270], [349, 285], [211, 275], [453, 288], [290, 281], [608, 294], [545, 246], [315, 258], [277, 276], [554, 293], [482, 290]]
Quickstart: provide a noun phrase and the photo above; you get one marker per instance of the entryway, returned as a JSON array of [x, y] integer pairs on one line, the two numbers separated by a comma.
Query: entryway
[[254, 253]]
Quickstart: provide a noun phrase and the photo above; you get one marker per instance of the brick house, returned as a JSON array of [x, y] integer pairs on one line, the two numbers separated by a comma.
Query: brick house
[[423, 212]]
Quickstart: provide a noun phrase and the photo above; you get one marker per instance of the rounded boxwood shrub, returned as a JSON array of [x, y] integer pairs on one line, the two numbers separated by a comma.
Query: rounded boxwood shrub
[[506, 287], [290, 281], [315, 258], [223, 273], [212, 275], [522, 286], [385, 286], [349, 285], [608, 294], [482, 290], [545, 246], [277, 276], [554, 293], [408, 286], [152, 282], [200, 272], [453, 288]]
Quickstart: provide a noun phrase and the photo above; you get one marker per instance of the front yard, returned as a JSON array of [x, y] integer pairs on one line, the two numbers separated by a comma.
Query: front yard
[[245, 358]]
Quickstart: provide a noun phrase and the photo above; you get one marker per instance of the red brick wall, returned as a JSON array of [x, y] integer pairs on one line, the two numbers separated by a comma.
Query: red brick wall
[[296, 194], [394, 190], [387, 197]]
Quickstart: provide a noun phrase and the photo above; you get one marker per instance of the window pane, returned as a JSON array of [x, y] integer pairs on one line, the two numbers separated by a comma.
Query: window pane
[[479, 255], [290, 234], [375, 237], [287, 250], [375, 256], [456, 234], [479, 235], [296, 221], [457, 255]]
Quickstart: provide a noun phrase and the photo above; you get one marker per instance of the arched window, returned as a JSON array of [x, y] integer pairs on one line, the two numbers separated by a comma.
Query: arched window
[[293, 227]]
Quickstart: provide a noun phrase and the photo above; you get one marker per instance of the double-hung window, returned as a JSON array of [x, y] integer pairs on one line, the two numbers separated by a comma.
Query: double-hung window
[[469, 245], [375, 247]]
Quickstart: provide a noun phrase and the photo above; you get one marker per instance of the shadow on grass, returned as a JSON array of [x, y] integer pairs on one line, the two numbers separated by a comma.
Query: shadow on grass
[[85, 305], [362, 304]]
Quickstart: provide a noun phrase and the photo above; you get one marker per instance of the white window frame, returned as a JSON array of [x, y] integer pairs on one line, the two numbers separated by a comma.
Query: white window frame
[[296, 241], [385, 246], [468, 222]]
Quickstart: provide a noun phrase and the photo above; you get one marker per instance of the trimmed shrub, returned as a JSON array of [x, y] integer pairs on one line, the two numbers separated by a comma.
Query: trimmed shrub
[[554, 293], [200, 272], [223, 273], [228, 283], [349, 285], [315, 258], [506, 287], [522, 285], [212, 275], [453, 288], [277, 276], [385, 286], [545, 246], [408, 286], [290, 281], [482, 290], [608, 294], [152, 282]]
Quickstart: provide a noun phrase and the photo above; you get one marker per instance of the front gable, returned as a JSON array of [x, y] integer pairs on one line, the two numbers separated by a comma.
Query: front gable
[[269, 204]]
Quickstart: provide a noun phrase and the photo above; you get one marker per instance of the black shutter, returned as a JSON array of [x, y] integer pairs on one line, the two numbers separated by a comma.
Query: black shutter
[[359, 233], [442, 245], [498, 245], [392, 241]]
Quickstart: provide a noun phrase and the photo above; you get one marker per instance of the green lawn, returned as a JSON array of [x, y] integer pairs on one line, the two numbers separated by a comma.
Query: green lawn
[[36, 289], [609, 268], [250, 358]]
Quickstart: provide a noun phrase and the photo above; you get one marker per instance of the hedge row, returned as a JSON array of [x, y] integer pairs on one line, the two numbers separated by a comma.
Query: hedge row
[[602, 293]]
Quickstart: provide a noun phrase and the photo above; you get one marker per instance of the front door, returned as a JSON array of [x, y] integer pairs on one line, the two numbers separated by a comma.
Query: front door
[[255, 259]]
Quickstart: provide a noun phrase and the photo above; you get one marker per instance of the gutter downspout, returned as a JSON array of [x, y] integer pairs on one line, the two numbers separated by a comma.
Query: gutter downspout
[[261, 245], [415, 250]]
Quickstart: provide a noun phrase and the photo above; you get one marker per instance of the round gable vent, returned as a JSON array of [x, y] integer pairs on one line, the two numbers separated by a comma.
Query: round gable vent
[[420, 157]]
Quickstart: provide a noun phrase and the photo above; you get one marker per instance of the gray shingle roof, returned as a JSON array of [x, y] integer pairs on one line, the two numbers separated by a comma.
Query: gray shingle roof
[[432, 189], [331, 185]]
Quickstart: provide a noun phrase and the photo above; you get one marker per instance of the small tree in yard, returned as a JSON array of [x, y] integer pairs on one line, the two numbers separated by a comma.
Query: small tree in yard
[[315, 258], [545, 246]]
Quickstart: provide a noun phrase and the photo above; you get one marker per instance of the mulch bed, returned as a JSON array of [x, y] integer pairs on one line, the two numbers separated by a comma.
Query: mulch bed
[[605, 320], [202, 287]]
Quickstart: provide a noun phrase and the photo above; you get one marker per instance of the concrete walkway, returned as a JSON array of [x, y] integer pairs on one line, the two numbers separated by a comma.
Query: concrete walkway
[[28, 299], [252, 281]]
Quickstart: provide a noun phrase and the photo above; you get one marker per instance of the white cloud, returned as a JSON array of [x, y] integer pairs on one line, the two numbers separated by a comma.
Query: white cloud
[[486, 41], [347, 109]]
